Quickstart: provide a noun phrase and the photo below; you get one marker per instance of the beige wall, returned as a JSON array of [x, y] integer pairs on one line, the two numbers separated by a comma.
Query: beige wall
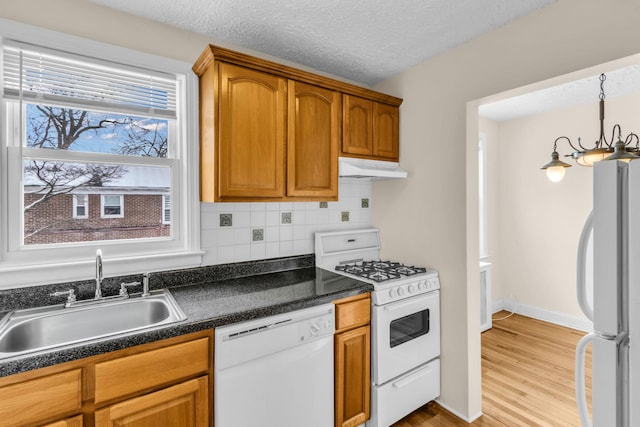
[[424, 218], [494, 213], [437, 224], [540, 221]]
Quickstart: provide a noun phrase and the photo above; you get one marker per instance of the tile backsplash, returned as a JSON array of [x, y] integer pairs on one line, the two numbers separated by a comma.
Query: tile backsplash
[[287, 227]]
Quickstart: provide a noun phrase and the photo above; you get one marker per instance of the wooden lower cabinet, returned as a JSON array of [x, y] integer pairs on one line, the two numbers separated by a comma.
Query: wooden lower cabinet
[[352, 347], [54, 396], [164, 383], [69, 422], [184, 405], [353, 382]]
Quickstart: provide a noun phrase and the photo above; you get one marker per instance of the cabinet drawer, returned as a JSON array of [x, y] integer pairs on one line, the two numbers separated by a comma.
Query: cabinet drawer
[[185, 405], [69, 422], [354, 313], [41, 398], [131, 374]]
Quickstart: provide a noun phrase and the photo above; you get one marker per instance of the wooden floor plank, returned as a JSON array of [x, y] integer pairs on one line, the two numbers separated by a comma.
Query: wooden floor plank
[[527, 378]]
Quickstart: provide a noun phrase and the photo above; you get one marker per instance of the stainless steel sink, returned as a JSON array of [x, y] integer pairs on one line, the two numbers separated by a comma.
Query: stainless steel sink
[[24, 331]]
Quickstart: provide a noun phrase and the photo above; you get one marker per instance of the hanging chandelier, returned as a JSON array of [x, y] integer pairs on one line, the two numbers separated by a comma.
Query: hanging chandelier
[[602, 150]]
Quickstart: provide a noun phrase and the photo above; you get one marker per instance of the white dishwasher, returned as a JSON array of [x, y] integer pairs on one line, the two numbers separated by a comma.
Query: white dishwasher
[[275, 371]]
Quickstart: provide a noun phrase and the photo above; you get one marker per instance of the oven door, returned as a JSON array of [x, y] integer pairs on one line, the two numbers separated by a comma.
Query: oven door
[[406, 334]]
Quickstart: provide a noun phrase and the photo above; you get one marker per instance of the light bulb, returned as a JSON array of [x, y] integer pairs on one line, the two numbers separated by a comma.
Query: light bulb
[[555, 173]]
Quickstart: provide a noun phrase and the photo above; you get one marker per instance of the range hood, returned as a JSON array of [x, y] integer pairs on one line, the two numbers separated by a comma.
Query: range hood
[[364, 168]]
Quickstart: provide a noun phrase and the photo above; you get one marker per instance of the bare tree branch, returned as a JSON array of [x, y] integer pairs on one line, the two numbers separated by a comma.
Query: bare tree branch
[[60, 128]]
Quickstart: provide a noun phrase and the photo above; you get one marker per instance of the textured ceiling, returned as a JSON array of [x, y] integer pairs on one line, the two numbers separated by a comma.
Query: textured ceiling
[[365, 41], [620, 82]]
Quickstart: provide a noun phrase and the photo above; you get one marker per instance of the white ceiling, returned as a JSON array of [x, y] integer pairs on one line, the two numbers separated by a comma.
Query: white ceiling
[[365, 41], [619, 82]]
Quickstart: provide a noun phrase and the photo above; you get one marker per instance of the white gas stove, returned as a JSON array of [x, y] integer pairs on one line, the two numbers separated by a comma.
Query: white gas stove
[[405, 321], [392, 281], [355, 253]]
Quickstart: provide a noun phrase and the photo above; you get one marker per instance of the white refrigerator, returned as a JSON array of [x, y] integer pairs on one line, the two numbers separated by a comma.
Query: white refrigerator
[[614, 305]]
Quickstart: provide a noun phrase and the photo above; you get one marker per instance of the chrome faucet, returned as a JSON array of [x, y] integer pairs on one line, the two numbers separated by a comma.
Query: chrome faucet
[[99, 275], [145, 284]]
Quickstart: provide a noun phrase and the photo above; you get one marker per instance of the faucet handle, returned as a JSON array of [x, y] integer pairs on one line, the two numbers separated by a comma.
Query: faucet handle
[[145, 284], [71, 296], [124, 286]]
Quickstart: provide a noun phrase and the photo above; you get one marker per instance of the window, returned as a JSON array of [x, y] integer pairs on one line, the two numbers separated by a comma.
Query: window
[[81, 128], [166, 209], [112, 206], [80, 206]]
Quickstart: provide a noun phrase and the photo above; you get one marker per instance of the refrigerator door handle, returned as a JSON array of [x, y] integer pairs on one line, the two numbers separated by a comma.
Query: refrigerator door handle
[[581, 395], [581, 264]]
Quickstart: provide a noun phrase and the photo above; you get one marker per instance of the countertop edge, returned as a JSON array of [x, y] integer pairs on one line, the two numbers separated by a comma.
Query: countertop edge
[[28, 362]]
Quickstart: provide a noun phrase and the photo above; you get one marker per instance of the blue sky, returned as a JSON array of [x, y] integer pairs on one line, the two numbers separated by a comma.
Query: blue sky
[[109, 140]]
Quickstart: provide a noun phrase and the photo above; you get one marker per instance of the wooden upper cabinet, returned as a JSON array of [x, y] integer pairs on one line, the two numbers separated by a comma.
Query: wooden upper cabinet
[[314, 135], [251, 133], [358, 126], [386, 141], [270, 132], [370, 129]]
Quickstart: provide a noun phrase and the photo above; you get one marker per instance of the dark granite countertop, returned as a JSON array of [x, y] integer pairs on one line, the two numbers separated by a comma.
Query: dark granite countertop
[[210, 304]]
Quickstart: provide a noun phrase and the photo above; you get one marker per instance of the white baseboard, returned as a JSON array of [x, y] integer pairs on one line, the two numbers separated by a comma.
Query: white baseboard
[[562, 319], [458, 414]]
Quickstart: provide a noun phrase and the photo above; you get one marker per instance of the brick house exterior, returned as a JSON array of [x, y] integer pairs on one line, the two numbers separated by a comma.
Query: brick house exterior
[[53, 221]]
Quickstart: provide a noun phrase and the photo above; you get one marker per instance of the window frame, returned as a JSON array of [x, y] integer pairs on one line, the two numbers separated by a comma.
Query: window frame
[[85, 204], [27, 266], [103, 205]]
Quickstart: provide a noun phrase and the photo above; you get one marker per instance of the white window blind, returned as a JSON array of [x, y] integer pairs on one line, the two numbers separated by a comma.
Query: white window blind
[[166, 211], [38, 74]]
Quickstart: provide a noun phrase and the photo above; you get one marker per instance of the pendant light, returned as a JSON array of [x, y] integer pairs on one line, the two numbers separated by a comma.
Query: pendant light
[[602, 150], [556, 167]]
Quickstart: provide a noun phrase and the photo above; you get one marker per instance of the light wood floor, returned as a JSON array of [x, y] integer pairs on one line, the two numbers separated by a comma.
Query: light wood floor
[[527, 378]]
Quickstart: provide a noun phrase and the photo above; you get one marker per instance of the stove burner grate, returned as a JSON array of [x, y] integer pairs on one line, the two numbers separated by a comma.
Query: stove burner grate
[[380, 271]]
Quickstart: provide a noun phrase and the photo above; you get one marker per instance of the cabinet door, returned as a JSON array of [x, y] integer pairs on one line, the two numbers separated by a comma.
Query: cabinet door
[[69, 422], [352, 382], [385, 131], [124, 376], [47, 398], [357, 135], [312, 148], [184, 405], [251, 133]]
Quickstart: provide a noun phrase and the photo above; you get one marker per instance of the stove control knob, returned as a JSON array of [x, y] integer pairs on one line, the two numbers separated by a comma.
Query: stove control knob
[[392, 293], [411, 289], [400, 292], [422, 285]]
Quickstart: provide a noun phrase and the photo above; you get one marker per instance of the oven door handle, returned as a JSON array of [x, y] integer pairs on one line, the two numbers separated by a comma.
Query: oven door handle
[[409, 302], [413, 377]]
